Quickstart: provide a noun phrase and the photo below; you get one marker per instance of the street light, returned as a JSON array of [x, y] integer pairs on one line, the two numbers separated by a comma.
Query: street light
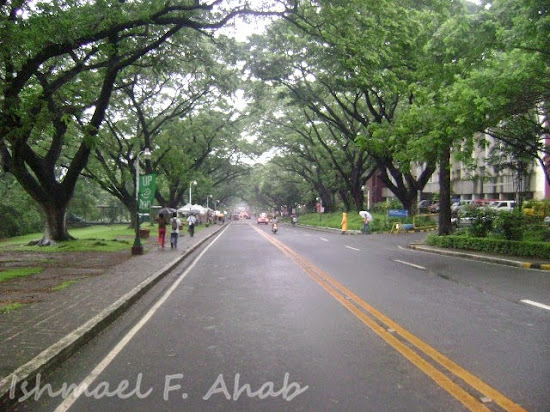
[[207, 211], [137, 249], [194, 182], [368, 195]]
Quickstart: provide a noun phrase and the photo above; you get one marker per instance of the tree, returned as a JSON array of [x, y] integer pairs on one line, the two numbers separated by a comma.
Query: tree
[[355, 77], [182, 117], [57, 81]]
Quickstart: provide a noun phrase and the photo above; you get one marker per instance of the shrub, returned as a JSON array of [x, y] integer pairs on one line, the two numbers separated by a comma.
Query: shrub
[[537, 208], [481, 221], [496, 246], [510, 225]]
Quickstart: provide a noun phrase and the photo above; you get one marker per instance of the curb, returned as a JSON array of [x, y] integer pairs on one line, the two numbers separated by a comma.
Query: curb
[[490, 259], [69, 344]]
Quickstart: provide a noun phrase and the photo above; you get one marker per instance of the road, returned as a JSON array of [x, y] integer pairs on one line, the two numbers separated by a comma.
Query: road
[[307, 320]]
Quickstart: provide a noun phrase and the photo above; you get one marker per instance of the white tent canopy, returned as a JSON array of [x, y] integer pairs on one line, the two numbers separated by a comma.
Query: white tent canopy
[[189, 208]]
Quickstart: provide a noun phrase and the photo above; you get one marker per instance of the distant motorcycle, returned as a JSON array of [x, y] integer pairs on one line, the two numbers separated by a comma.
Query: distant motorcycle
[[274, 228]]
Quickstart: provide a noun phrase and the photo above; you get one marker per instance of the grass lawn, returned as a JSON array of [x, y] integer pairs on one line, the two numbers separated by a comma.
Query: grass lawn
[[101, 238], [355, 222]]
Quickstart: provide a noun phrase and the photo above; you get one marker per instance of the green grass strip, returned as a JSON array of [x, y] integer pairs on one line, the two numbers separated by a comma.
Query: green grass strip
[[18, 273], [63, 285], [7, 308]]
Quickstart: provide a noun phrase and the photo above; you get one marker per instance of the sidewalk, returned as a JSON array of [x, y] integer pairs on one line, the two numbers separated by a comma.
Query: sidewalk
[[39, 336]]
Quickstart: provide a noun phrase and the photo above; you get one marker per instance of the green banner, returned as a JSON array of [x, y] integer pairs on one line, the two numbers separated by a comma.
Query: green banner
[[146, 194]]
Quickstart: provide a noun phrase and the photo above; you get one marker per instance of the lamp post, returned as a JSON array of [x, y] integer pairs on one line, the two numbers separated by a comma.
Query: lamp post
[[207, 211], [137, 249], [368, 195], [193, 182]]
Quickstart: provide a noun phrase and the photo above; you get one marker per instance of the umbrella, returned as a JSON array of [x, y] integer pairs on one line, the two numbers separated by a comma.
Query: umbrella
[[167, 211], [365, 215]]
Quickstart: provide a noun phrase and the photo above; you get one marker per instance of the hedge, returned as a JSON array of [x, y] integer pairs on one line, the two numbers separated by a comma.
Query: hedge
[[540, 250]]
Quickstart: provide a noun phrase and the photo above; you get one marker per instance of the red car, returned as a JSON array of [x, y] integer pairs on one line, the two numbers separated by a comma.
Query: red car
[[263, 218]]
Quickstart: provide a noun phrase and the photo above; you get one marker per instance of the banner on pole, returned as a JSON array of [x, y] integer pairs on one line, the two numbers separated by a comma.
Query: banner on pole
[[146, 194]]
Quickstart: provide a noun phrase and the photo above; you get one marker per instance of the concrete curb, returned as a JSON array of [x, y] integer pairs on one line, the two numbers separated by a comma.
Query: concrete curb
[[490, 259], [69, 344]]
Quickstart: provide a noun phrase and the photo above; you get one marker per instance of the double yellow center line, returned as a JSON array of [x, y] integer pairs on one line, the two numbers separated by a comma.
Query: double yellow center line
[[450, 376]]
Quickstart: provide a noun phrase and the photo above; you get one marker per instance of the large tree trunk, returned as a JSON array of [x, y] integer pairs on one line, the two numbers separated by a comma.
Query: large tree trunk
[[445, 192], [55, 229]]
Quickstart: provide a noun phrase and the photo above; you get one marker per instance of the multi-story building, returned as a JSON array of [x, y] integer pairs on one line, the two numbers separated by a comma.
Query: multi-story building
[[483, 179], [479, 179]]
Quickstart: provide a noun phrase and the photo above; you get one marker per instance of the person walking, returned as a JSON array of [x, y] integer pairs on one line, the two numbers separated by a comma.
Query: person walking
[[175, 232], [162, 230], [192, 221], [367, 218], [344, 223]]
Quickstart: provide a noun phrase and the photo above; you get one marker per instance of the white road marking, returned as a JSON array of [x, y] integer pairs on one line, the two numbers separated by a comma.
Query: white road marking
[[411, 264], [537, 304], [352, 248], [323, 239], [70, 400]]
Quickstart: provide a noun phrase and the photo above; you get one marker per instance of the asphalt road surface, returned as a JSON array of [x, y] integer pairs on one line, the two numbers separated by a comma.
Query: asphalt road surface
[[315, 321]]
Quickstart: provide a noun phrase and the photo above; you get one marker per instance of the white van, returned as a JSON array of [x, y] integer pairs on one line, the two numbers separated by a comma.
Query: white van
[[507, 205]]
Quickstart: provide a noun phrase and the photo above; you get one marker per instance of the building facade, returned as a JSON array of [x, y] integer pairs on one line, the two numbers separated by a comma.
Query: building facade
[[481, 178]]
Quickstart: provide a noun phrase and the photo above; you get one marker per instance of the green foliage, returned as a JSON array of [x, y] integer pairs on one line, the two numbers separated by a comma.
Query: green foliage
[[390, 204], [540, 250], [537, 208], [481, 221], [20, 214], [510, 224]]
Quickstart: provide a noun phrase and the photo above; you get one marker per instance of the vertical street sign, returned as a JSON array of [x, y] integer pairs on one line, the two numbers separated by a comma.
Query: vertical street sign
[[147, 187]]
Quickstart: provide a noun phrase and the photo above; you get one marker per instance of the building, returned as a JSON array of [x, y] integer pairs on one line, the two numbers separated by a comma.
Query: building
[[481, 178]]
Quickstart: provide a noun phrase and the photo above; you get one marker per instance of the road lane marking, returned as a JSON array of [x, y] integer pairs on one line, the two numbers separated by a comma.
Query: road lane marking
[[323, 239], [365, 313], [352, 248], [537, 304], [410, 264], [94, 374]]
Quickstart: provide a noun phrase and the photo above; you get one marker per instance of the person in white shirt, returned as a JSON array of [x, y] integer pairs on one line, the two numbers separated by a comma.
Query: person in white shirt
[[192, 221], [175, 225]]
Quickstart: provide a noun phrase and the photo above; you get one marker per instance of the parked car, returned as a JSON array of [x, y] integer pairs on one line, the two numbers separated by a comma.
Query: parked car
[[424, 204], [434, 208], [263, 218], [483, 202], [461, 205], [500, 205]]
